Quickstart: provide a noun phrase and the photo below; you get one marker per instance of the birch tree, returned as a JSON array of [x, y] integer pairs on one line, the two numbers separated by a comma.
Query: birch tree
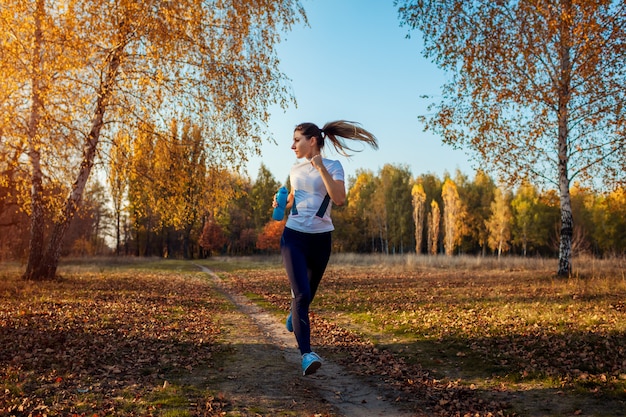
[[538, 88], [76, 72], [118, 182]]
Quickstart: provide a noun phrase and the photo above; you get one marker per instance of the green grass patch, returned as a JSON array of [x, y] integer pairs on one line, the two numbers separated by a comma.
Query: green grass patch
[[169, 397], [245, 263]]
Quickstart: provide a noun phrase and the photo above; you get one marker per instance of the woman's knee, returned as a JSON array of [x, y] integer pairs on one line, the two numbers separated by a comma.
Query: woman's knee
[[302, 300]]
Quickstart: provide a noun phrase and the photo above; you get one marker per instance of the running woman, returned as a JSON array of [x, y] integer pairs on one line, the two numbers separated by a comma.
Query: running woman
[[306, 241]]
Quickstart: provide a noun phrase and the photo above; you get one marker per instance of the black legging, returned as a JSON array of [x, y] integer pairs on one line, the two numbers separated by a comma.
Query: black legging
[[305, 256]]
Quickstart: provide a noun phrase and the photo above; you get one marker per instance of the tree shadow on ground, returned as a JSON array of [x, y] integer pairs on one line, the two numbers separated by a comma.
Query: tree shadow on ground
[[64, 371], [528, 375], [541, 374]]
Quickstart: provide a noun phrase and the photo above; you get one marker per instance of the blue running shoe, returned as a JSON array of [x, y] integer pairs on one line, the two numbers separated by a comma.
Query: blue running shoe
[[310, 363], [288, 323]]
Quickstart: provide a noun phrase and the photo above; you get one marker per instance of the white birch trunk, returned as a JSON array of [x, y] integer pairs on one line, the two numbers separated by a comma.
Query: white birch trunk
[[37, 221], [567, 223], [46, 267]]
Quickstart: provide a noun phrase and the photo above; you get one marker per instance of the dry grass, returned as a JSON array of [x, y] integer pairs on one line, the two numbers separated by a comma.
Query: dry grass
[[584, 266]]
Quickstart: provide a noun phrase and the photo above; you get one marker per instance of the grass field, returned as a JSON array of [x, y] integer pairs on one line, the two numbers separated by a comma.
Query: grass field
[[452, 336]]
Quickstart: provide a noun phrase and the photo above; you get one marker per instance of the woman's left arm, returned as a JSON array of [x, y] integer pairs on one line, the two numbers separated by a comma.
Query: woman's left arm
[[336, 189]]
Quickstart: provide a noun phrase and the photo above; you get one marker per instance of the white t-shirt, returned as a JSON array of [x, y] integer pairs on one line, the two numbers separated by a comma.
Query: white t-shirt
[[309, 193]]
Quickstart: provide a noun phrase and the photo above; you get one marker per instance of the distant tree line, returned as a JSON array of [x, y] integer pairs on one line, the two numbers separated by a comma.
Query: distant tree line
[[391, 212], [162, 197]]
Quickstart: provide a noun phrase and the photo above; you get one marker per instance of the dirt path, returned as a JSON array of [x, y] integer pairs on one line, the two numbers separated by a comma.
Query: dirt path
[[350, 396]]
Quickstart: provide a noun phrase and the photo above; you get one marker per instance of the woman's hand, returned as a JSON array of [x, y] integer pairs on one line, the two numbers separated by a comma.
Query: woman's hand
[[316, 161], [336, 189], [289, 201]]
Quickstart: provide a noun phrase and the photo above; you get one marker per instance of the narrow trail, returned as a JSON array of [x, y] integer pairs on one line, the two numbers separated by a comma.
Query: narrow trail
[[349, 395]]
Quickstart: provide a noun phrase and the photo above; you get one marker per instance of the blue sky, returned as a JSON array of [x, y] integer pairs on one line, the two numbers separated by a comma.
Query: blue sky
[[354, 62]]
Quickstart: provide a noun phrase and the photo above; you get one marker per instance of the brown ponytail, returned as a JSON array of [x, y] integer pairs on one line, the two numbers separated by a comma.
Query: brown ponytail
[[336, 132]]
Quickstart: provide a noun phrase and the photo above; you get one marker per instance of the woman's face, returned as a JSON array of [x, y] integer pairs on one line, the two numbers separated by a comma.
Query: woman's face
[[303, 147]]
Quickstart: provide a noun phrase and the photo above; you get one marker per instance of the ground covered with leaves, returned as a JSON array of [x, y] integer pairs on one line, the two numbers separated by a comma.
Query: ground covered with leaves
[[472, 341], [158, 339], [136, 340]]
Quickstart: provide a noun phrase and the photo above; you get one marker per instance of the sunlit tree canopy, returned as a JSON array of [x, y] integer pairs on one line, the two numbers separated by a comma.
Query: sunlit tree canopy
[[78, 73]]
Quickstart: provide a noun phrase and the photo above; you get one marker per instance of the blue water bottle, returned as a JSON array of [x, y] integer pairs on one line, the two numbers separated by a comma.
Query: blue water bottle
[[281, 198]]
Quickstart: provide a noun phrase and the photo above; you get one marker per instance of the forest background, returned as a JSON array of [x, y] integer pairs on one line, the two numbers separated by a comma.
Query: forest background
[[166, 206]]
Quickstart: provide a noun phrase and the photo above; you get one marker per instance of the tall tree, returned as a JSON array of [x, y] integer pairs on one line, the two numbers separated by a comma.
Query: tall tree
[[434, 219], [366, 202], [419, 200], [362, 210], [395, 192], [236, 217], [499, 223], [610, 221], [525, 215], [452, 216], [376, 214], [432, 187], [180, 181], [118, 182], [476, 197], [81, 70], [538, 87], [261, 195], [141, 200]]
